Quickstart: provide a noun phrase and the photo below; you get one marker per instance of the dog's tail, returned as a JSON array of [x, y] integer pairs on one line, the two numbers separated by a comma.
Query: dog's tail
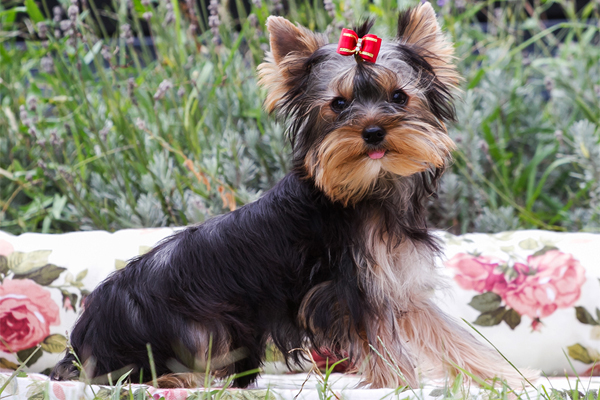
[[66, 369]]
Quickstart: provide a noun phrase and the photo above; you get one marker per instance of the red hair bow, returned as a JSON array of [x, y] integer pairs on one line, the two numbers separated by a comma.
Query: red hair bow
[[366, 47]]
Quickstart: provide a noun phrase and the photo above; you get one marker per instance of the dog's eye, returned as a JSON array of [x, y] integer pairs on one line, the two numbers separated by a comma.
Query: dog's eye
[[399, 97], [339, 104]]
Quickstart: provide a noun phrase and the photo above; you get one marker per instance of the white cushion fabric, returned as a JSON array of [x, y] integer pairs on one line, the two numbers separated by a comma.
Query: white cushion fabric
[[533, 294]]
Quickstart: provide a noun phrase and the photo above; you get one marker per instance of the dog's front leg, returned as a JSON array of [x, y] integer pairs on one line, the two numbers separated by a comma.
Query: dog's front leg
[[385, 359], [443, 347]]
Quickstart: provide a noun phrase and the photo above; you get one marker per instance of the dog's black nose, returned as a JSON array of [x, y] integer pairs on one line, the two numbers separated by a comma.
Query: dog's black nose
[[373, 134]]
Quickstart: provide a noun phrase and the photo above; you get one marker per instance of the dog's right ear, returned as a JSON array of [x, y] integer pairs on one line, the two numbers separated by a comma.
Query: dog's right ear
[[289, 39], [291, 46]]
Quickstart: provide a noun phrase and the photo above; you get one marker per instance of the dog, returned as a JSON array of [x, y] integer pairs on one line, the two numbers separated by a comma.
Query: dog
[[336, 256]]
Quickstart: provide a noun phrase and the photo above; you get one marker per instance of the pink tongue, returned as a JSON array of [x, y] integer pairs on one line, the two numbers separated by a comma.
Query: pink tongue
[[376, 155]]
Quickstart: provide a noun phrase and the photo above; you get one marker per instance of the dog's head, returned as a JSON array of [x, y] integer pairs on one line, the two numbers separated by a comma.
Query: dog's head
[[354, 124]]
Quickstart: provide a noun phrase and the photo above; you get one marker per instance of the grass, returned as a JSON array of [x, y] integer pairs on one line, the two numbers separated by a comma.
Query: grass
[[101, 133], [457, 388]]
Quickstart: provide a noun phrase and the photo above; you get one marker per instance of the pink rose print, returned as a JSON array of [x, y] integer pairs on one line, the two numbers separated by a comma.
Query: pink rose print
[[67, 305], [537, 288], [549, 281], [536, 325], [171, 394], [26, 313], [58, 391], [478, 273], [5, 248]]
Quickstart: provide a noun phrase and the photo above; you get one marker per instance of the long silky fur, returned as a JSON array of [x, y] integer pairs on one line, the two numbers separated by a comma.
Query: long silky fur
[[238, 280], [315, 261]]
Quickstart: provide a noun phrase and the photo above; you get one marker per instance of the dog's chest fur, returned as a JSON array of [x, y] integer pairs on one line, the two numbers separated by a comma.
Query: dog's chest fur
[[392, 275]]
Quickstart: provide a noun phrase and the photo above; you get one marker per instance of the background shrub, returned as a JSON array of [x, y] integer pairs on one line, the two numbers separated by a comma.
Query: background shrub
[[101, 132]]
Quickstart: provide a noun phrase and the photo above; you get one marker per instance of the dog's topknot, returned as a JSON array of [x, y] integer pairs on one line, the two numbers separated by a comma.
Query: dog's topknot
[[363, 28]]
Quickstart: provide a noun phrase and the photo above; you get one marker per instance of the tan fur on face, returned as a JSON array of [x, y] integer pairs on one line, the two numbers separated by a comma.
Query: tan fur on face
[[340, 167], [424, 32], [415, 147], [343, 170], [290, 46], [340, 164]]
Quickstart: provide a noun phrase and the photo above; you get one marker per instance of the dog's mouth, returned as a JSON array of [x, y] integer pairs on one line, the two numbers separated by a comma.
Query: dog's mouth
[[376, 154]]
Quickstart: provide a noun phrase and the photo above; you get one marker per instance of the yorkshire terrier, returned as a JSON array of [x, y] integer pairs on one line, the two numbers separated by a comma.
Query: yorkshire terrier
[[337, 256]]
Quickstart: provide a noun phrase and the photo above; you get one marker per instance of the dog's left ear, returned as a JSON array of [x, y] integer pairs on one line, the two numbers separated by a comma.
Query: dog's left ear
[[419, 28], [291, 46]]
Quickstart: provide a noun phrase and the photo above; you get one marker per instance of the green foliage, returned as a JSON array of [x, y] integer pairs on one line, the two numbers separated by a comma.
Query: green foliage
[[528, 126], [99, 133]]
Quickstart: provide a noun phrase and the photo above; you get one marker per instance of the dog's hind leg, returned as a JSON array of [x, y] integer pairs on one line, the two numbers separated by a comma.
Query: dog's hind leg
[[437, 340], [250, 353], [65, 369]]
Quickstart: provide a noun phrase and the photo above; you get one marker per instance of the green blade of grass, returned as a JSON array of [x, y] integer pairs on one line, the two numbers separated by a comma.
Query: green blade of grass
[[499, 352], [34, 12], [19, 369]]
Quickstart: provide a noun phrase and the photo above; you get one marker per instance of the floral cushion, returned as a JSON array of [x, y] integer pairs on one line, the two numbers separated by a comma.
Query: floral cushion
[[533, 294], [45, 280]]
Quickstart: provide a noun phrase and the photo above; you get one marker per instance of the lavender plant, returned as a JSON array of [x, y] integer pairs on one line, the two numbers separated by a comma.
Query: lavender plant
[[100, 132]]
